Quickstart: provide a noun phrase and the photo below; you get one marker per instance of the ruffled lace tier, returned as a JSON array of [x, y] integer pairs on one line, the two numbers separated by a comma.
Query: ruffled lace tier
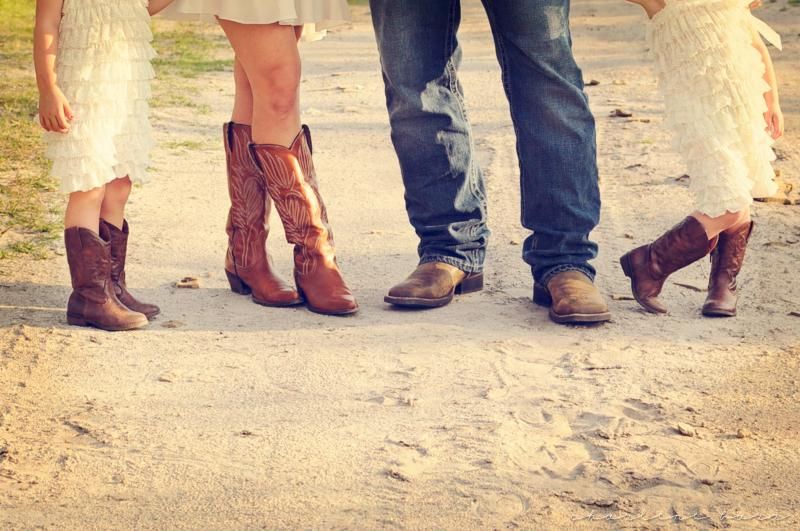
[[104, 69], [712, 80]]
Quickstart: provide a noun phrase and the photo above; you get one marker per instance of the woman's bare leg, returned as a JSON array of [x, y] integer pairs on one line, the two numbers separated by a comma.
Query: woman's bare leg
[[270, 65]]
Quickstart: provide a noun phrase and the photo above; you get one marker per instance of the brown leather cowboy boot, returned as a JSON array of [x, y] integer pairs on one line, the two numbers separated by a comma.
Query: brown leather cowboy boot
[[118, 238], [433, 284], [93, 301], [572, 298], [649, 266], [292, 184], [248, 265], [726, 262]]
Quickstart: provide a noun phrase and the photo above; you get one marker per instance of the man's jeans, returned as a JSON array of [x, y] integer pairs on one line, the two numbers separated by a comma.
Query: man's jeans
[[445, 192]]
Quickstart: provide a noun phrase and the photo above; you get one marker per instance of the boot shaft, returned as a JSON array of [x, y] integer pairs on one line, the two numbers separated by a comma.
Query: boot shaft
[[728, 257], [683, 244], [89, 259], [291, 182], [247, 224], [118, 248]]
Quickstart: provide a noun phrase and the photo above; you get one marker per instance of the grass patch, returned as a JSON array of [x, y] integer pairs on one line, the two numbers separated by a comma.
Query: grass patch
[[188, 50], [29, 215]]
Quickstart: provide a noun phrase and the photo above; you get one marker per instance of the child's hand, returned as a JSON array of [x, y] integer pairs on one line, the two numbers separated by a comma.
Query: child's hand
[[55, 113], [774, 119]]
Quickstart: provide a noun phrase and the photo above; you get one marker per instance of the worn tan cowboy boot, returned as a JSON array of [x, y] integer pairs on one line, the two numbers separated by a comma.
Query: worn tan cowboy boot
[[572, 298], [726, 262], [433, 284], [118, 239], [649, 266], [248, 265], [93, 301], [292, 184]]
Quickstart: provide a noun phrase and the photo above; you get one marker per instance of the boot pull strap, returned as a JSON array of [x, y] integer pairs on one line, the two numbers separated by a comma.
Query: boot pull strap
[[307, 133]]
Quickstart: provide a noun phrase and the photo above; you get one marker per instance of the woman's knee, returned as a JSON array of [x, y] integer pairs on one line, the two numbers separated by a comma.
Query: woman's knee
[[276, 86]]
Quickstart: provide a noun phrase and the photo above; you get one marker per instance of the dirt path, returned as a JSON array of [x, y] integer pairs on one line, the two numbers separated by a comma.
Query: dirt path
[[483, 414]]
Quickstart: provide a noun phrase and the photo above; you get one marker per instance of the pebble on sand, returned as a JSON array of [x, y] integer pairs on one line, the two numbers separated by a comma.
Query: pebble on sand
[[188, 283], [686, 430]]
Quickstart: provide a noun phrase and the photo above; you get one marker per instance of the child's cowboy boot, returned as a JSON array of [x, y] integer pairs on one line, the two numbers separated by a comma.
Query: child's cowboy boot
[[649, 266], [292, 184], [118, 238], [248, 265], [726, 262], [93, 301]]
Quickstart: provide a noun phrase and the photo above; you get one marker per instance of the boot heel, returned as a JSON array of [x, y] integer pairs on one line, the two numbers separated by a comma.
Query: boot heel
[[237, 284], [470, 284], [625, 262], [76, 321]]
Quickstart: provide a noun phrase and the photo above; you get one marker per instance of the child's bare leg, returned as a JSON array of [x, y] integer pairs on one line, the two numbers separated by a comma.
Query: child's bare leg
[[83, 209], [729, 221], [113, 207]]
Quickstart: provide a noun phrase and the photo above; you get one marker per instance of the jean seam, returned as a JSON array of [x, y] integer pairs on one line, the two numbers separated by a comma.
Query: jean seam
[[562, 269], [468, 266]]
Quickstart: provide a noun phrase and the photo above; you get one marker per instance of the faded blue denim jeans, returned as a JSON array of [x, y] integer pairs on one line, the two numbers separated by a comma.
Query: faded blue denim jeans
[[444, 188]]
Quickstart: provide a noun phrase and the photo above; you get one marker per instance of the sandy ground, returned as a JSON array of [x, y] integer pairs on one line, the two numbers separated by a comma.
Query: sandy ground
[[224, 414]]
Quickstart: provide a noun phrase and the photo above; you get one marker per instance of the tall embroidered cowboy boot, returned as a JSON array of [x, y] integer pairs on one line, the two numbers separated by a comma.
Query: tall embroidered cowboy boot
[[248, 265], [649, 266], [118, 239], [93, 301], [726, 263], [292, 184]]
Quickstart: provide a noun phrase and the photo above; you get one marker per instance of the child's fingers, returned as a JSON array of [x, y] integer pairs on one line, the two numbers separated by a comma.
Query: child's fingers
[[48, 120], [68, 112], [61, 121], [777, 126]]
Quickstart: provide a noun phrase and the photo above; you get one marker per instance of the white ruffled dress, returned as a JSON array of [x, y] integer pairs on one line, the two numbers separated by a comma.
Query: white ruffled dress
[[103, 68], [316, 15], [712, 81]]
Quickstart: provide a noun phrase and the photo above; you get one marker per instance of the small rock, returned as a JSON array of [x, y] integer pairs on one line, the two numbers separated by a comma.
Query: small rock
[[686, 430], [743, 433], [592, 83], [619, 113], [399, 476], [173, 324], [188, 283]]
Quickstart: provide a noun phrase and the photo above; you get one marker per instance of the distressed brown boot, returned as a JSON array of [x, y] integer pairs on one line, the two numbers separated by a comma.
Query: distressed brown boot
[[93, 301], [292, 184], [726, 262], [433, 284], [248, 265], [649, 266], [118, 238], [573, 299]]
